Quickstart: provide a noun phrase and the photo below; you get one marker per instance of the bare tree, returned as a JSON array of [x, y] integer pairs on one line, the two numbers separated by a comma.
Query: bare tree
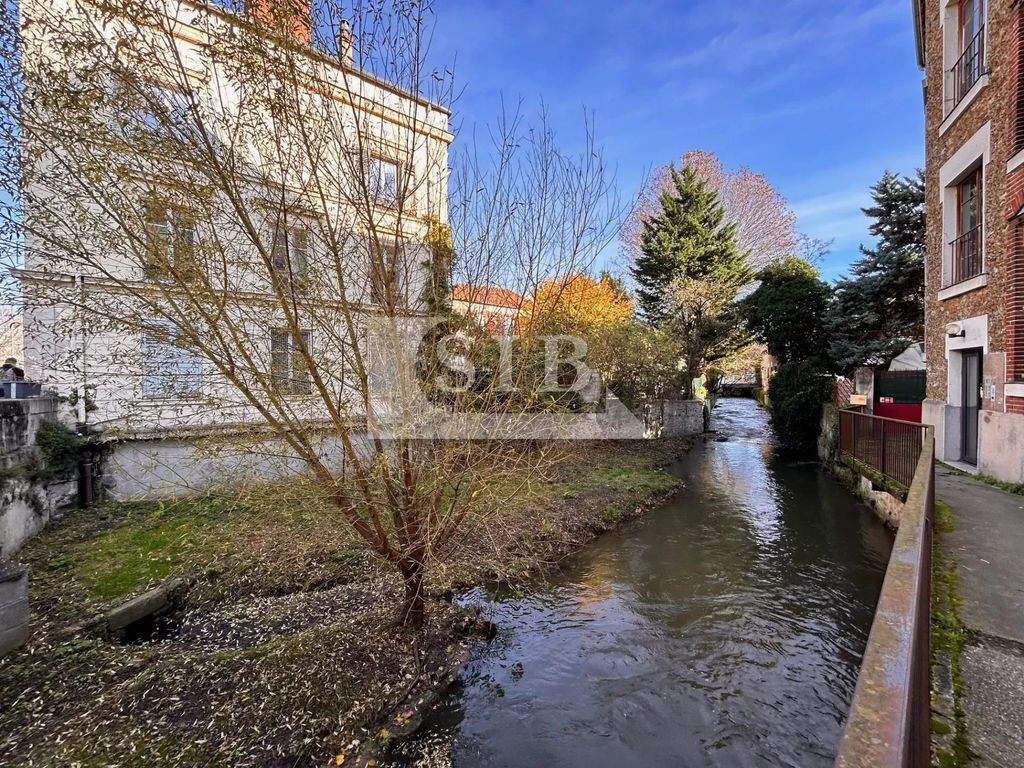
[[765, 225], [234, 221]]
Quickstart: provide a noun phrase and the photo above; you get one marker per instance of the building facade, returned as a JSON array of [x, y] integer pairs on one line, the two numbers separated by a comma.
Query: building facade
[[973, 60], [302, 219], [208, 238]]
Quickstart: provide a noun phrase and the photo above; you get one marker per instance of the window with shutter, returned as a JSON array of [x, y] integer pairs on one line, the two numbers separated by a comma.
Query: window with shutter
[[171, 237], [388, 272], [290, 250], [288, 369], [384, 180], [168, 369]]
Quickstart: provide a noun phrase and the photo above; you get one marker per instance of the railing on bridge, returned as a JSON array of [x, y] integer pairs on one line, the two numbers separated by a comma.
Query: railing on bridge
[[887, 446], [889, 724]]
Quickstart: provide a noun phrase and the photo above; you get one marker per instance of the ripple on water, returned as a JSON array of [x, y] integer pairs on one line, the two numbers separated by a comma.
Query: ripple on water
[[725, 630]]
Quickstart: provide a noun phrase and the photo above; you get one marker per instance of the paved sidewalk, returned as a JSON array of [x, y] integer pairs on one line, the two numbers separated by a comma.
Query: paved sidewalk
[[987, 543]]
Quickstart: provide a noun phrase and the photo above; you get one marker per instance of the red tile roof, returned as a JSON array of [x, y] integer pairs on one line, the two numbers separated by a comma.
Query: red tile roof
[[487, 295]]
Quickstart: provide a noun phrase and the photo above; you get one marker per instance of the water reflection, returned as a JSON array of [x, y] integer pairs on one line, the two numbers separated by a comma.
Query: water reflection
[[724, 630]]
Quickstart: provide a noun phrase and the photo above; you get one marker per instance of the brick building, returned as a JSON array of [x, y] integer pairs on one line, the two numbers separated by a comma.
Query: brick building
[[973, 58]]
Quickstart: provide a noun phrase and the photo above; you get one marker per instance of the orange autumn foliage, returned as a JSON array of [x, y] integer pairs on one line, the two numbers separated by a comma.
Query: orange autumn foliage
[[577, 303]]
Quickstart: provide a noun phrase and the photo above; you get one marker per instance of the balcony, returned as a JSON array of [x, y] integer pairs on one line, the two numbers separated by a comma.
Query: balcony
[[966, 252], [968, 69]]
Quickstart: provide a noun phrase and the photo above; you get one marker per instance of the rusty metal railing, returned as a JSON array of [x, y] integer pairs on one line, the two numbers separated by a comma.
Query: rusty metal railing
[[888, 446], [889, 725]]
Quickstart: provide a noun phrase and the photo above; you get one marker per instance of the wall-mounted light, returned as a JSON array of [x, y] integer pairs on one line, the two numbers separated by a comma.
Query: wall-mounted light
[[956, 331]]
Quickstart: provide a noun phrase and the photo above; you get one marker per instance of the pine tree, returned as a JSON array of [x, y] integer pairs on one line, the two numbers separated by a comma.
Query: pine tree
[[879, 311], [689, 238]]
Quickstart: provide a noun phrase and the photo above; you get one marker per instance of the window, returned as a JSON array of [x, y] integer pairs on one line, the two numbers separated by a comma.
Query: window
[[387, 271], [971, 21], [970, 48], [384, 180], [169, 370], [164, 109], [171, 241], [289, 252], [967, 245], [287, 366]]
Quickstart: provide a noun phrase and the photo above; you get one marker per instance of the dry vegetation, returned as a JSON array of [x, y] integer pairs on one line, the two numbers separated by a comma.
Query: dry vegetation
[[287, 650]]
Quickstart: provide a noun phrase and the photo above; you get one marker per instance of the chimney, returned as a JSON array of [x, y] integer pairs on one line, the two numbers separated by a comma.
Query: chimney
[[345, 43], [287, 17]]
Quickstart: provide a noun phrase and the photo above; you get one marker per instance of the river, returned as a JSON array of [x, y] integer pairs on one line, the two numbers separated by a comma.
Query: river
[[723, 629]]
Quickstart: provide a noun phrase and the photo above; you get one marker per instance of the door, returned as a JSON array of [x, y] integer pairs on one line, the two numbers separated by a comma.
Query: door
[[971, 405]]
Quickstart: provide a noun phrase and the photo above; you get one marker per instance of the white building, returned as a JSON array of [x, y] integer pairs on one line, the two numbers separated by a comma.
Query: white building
[[210, 219]]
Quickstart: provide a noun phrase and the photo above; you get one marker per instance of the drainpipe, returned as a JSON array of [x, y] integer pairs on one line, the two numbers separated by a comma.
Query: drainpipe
[[86, 497]]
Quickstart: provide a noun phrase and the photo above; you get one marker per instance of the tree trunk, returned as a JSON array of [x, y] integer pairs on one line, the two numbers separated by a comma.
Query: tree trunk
[[414, 608]]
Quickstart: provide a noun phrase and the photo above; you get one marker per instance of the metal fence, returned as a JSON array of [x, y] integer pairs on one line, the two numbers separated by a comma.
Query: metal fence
[[888, 446], [969, 67], [889, 725]]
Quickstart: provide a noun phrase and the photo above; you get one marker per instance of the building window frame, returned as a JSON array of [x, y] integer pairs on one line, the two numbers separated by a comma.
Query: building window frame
[[289, 373], [968, 163], [965, 72], [169, 371], [290, 248], [171, 240], [384, 178], [393, 259]]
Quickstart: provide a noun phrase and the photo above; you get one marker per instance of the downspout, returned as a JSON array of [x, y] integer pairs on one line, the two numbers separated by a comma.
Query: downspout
[[86, 495]]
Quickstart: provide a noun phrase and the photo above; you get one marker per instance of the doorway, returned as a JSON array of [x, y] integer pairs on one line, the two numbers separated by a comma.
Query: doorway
[[971, 378]]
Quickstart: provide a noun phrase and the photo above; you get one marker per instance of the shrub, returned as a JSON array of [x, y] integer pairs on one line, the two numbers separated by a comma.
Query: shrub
[[58, 450], [798, 390]]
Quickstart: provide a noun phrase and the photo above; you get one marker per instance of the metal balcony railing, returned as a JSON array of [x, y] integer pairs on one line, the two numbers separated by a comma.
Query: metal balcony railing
[[966, 253], [969, 68]]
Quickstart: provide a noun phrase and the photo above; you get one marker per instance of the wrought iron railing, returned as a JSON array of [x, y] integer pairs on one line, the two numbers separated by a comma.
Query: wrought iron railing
[[889, 447], [889, 723], [966, 252], [969, 68]]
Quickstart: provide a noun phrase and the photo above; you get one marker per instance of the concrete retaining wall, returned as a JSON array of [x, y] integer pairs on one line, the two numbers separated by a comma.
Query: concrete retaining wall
[[14, 612], [159, 469], [673, 418]]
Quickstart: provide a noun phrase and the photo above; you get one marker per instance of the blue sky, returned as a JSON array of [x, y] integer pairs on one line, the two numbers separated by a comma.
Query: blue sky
[[821, 96]]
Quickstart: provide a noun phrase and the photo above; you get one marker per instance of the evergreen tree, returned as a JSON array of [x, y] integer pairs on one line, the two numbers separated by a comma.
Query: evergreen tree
[[787, 311], [688, 239], [879, 311]]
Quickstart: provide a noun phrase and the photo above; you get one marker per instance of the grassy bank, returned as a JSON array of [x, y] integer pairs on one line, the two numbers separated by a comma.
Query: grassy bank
[[287, 652], [948, 637]]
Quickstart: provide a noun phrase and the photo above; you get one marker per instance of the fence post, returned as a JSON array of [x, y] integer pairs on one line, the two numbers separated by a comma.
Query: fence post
[[884, 452]]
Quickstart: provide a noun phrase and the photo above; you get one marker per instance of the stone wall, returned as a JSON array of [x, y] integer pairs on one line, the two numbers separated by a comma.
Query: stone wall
[[673, 418], [886, 506], [26, 504], [19, 422]]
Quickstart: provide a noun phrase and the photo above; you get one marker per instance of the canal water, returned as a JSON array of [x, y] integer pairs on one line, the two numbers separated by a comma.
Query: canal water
[[723, 629]]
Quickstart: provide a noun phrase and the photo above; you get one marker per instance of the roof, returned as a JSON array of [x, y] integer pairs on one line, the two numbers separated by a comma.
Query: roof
[[489, 295], [211, 6], [917, 8]]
